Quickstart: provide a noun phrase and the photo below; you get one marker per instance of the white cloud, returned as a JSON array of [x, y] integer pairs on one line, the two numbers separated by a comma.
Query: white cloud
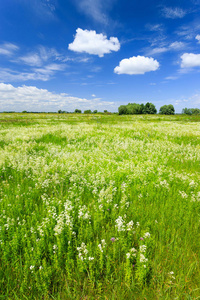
[[33, 99], [39, 57], [137, 65], [95, 9], [8, 49], [158, 50], [173, 12], [198, 38], [43, 74], [190, 60], [175, 46], [89, 41], [31, 60]]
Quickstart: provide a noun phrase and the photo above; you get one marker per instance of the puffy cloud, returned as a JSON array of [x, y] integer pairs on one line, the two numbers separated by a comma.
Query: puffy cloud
[[190, 60], [89, 41], [173, 12], [137, 65], [33, 99], [198, 38]]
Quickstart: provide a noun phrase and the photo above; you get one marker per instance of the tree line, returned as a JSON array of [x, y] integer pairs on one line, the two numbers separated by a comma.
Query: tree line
[[148, 108]]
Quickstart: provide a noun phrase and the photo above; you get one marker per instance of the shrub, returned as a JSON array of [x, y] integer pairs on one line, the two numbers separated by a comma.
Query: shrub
[[122, 110], [167, 110], [78, 111], [88, 111]]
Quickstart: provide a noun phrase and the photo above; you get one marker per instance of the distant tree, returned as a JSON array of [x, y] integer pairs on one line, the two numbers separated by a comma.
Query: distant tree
[[195, 111], [77, 111], [105, 111], [149, 108], [133, 108], [24, 111], [191, 111], [95, 111], [122, 110], [88, 111], [61, 111], [167, 110]]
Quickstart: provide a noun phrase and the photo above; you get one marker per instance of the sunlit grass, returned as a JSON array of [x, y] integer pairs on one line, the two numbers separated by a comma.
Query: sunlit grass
[[99, 206]]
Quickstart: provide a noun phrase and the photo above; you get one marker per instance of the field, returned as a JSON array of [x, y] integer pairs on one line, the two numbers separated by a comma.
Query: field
[[99, 207]]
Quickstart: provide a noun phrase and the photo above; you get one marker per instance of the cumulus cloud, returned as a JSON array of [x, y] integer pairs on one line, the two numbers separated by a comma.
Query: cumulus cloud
[[33, 99], [90, 42], [136, 65], [190, 60], [198, 38], [8, 49], [173, 12]]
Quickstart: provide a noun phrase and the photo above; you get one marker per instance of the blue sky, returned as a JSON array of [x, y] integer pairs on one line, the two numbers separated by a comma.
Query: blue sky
[[93, 54]]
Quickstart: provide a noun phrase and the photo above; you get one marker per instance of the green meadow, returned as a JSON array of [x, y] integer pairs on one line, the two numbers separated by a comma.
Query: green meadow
[[99, 206]]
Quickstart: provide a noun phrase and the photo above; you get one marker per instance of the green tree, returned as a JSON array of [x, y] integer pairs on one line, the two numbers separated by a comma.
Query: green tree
[[167, 110], [87, 111], [122, 110], [149, 108], [77, 111]]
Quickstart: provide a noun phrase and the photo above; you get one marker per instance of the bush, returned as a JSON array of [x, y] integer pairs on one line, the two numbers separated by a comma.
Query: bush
[[88, 111], [191, 111], [77, 111], [122, 110], [167, 110], [149, 108]]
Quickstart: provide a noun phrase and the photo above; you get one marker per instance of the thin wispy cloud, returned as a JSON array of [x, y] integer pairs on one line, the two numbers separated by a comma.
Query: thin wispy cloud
[[44, 9], [175, 46], [95, 9], [8, 49], [173, 12]]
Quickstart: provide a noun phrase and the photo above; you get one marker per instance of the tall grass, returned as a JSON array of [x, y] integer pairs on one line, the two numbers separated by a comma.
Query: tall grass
[[99, 207]]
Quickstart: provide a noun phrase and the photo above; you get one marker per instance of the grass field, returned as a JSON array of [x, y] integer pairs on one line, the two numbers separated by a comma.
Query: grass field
[[99, 206]]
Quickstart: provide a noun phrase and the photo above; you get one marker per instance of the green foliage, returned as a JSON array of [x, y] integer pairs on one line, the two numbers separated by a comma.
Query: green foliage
[[88, 111], [77, 111], [136, 109], [149, 108], [191, 111], [95, 111], [122, 110], [167, 110]]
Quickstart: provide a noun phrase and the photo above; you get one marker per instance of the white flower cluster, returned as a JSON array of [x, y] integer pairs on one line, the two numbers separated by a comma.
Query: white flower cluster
[[83, 253], [64, 219], [129, 226], [102, 245], [120, 224], [132, 253], [147, 235], [83, 213]]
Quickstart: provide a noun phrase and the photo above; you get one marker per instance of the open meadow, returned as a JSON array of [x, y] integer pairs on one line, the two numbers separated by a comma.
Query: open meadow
[[99, 206]]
